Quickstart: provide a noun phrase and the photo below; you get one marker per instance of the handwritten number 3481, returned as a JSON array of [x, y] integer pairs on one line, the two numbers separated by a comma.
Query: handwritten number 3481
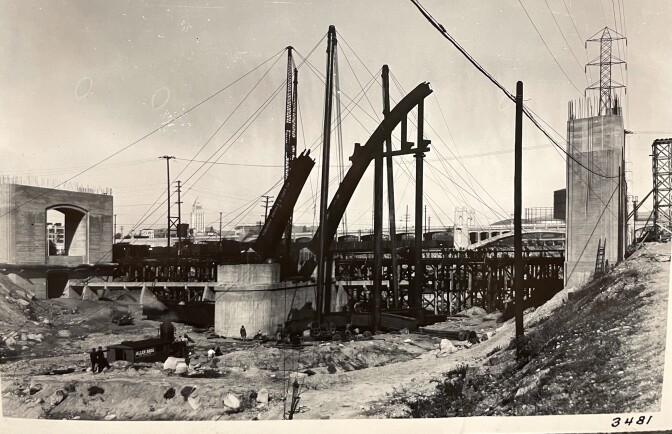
[[641, 420]]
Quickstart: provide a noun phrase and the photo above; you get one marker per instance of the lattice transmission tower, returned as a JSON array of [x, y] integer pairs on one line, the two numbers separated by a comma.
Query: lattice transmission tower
[[662, 184], [605, 84]]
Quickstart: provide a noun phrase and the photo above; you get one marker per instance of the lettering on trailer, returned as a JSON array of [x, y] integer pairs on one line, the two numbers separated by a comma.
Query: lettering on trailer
[[145, 353]]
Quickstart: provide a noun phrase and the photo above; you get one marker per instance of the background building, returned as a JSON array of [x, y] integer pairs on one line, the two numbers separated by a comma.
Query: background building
[[197, 218]]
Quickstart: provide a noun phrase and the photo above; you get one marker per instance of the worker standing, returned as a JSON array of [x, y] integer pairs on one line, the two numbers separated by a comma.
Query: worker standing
[[101, 359], [167, 331], [94, 359], [243, 333]]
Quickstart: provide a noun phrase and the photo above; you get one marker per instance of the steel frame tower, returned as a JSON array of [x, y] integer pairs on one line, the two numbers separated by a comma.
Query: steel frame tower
[[291, 104], [605, 84], [662, 184]]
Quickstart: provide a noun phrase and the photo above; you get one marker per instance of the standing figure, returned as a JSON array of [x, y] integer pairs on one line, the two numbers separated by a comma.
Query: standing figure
[[101, 359], [94, 359], [167, 331], [243, 333]]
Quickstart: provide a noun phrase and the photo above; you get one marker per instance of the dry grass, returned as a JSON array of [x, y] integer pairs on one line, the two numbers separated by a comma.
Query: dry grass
[[574, 362]]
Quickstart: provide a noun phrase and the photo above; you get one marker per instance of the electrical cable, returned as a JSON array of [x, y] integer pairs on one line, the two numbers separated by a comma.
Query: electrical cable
[[508, 94], [548, 49], [135, 142], [565, 39]]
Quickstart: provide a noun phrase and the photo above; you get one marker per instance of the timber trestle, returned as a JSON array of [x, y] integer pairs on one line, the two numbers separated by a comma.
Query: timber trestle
[[456, 279]]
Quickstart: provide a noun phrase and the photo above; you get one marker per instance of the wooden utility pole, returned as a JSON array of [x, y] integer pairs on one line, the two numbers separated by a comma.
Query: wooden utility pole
[[394, 275], [377, 233], [419, 167], [265, 205], [170, 221], [220, 227], [179, 217], [517, 216]]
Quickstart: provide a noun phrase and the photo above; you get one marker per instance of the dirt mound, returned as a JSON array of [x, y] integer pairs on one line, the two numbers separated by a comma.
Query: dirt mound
[[596, 349], [345, 356], [16, 305]]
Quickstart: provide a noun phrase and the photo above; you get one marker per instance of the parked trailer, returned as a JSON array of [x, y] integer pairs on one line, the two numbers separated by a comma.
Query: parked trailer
[[146, 350]]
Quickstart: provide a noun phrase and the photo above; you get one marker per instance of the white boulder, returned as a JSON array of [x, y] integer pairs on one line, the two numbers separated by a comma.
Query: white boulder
[[181, 368], [262, 396], [446, 346], [232, 401], [171, 363]]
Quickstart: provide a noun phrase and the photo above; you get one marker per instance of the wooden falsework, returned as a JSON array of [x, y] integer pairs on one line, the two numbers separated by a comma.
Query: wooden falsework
[[455, 280]]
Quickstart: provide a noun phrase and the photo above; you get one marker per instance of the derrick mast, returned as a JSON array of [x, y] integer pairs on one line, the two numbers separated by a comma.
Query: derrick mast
[[291, 103]]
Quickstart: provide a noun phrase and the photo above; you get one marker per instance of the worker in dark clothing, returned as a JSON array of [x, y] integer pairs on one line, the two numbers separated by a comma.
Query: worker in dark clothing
[[218, 351], [94, 359], [243, 333], [101, 360], [167, 331]]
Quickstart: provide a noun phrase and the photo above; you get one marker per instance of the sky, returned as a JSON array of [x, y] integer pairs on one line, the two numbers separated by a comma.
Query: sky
[[88, 86]]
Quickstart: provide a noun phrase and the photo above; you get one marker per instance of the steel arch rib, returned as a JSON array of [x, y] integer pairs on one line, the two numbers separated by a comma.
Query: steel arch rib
[[361, 158]]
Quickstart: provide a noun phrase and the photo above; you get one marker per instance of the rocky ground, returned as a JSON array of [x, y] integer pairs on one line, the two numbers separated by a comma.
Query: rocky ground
[[599, 349]]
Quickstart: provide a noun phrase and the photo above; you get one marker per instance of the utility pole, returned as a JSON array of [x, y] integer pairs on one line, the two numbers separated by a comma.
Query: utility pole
[[394, 283], [406, 216], [179, 216], [114, 238], [219, 246], [220, 227], [419, 168], [265, 205], [621, 206], [517, 218], [425, 218], [323, 296], [170, 220], [377, 233]]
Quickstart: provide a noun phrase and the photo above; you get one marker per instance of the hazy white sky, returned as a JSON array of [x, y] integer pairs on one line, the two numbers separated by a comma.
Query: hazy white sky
[[81, 80]]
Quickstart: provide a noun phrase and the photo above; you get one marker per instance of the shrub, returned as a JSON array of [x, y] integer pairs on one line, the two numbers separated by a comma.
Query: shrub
[[95, 390]]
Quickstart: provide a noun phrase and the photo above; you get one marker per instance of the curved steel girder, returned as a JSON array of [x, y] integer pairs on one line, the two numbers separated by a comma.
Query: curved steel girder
[[361, 158], [279, 216]]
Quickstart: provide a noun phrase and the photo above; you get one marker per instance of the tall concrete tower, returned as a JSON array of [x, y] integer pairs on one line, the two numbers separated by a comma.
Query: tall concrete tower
[[197, 218], [596, 189]]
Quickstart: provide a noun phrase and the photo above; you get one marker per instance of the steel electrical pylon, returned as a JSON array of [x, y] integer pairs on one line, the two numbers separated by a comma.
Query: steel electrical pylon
[[605, 60], [662, 184]]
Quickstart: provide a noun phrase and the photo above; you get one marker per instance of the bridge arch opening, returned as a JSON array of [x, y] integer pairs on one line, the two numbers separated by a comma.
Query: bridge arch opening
[[67, 232]]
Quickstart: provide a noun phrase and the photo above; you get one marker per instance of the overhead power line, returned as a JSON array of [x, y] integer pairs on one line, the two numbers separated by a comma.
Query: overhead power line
[[159, 128], [536, 29], [563, 36], [494, 81]]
